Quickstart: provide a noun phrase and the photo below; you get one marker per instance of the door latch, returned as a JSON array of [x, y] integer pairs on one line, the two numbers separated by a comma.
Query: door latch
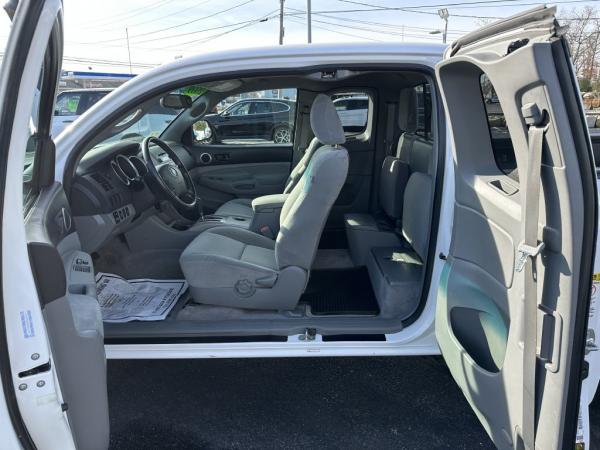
[[309, 335]]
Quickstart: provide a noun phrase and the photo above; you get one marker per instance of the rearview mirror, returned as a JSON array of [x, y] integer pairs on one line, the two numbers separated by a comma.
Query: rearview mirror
[[176, 101]]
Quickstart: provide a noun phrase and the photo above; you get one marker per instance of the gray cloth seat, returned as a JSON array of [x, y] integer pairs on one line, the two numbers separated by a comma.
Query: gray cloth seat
[[242, 207], [365, 230], [235, 267], [396, 272]]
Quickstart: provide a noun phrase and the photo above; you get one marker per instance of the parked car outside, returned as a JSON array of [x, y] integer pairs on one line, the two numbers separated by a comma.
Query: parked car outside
[[73, 103], [265, 119], [352, 112]]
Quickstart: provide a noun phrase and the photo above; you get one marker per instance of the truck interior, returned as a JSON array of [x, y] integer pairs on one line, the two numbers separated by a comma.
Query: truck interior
[[274, 242]]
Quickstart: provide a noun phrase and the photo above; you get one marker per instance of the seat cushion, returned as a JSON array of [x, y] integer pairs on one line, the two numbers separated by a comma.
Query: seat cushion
[[238, 207], [231, 266], [397, 277], [364, 232]]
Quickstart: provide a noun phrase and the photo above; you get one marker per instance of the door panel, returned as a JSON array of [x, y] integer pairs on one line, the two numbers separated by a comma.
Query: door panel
[[225, 172], [480, 318], [66, 285]]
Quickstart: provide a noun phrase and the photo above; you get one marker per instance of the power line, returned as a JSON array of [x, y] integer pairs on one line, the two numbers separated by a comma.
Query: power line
[[262, 19], [189, 33], [177, 26], [127, 14], [171, 14], [294, 19], [378, 24]]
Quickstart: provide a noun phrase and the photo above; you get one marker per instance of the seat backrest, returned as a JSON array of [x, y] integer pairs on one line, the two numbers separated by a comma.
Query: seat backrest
[[300, 168], [407, 121], [395, 170], [418, 201], [307, 207]]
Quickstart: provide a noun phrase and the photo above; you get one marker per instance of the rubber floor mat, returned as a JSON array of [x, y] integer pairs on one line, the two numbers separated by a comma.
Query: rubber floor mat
[[341, 292]]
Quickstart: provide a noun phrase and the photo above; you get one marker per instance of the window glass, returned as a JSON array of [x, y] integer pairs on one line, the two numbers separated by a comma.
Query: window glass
[[502, 145], [252, 118], [263, 107], [89, 100], [353, 109], [280, 107], [241, 110], [67, 103]]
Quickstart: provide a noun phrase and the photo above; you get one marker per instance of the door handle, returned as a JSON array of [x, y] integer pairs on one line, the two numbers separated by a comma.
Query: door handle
[[222, 157]]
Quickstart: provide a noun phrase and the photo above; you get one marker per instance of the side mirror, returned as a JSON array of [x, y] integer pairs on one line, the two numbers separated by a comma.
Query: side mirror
[[202, 132], [176, 101]]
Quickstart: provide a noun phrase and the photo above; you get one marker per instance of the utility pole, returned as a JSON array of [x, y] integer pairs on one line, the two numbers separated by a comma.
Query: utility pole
[[309, 20], [444, 14], [281, 22], [128, 51]]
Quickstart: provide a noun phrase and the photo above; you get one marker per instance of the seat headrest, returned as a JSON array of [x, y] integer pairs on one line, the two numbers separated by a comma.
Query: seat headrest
[[407, 117], [325, 122]]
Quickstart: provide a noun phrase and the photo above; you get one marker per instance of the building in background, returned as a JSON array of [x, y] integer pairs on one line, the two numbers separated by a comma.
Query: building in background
[[86, 80]]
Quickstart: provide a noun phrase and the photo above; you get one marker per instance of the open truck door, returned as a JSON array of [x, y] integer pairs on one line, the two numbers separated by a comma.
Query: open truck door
[[513, 301], [52, 357]]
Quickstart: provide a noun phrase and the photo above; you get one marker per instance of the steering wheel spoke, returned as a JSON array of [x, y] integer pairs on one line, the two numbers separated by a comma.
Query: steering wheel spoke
[[172, 179]]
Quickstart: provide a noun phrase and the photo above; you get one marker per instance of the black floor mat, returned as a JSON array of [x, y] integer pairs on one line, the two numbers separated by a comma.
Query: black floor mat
[[340, 291]]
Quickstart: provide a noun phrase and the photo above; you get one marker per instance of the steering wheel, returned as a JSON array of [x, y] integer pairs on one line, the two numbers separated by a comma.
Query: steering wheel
[[172, 179]]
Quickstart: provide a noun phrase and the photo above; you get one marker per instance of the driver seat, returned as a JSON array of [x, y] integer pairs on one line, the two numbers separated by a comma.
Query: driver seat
[[231, 266]]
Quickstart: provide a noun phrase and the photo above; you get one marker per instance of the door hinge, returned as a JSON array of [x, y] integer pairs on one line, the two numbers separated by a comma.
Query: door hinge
[[590, 342]]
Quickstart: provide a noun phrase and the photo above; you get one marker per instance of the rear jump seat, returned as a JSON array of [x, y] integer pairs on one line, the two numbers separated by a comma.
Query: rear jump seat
[[395, 258]]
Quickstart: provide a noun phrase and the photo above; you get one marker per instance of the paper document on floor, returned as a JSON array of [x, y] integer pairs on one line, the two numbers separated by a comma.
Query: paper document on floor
[[124, 300]]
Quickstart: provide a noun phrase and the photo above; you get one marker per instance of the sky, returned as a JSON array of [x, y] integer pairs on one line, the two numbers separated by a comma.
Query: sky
[[162, 30]]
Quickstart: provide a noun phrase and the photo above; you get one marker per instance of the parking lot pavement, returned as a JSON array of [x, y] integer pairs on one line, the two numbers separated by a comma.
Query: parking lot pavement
[[408, 402]]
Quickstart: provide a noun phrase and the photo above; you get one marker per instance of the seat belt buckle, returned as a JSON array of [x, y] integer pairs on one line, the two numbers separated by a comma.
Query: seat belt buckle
[[527, 251], [265, 230]]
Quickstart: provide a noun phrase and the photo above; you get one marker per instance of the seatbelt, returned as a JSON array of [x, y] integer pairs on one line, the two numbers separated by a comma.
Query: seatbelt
[[530, 248], [389, 130]]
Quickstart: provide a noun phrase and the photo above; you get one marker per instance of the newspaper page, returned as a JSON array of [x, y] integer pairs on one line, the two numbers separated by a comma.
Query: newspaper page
[[124, 300]]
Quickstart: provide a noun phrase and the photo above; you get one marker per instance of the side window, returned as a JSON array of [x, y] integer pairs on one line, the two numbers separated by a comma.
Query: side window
[[353, 109], [251, 118], [502, 146], [88, 100], [240, 110], [263, 107], [67, 104]]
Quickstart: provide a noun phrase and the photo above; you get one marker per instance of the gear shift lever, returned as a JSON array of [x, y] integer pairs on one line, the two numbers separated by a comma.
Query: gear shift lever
[[200, 207]]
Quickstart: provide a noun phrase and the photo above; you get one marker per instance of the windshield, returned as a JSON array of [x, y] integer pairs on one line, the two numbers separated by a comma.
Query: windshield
[[151, 121], [147, 119]]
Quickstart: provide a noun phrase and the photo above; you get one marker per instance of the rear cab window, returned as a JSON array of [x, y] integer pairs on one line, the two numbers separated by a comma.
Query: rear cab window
[[353, 110]]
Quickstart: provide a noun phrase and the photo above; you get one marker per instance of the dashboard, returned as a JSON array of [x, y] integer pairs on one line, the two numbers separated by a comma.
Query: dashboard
[[109, 190]]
